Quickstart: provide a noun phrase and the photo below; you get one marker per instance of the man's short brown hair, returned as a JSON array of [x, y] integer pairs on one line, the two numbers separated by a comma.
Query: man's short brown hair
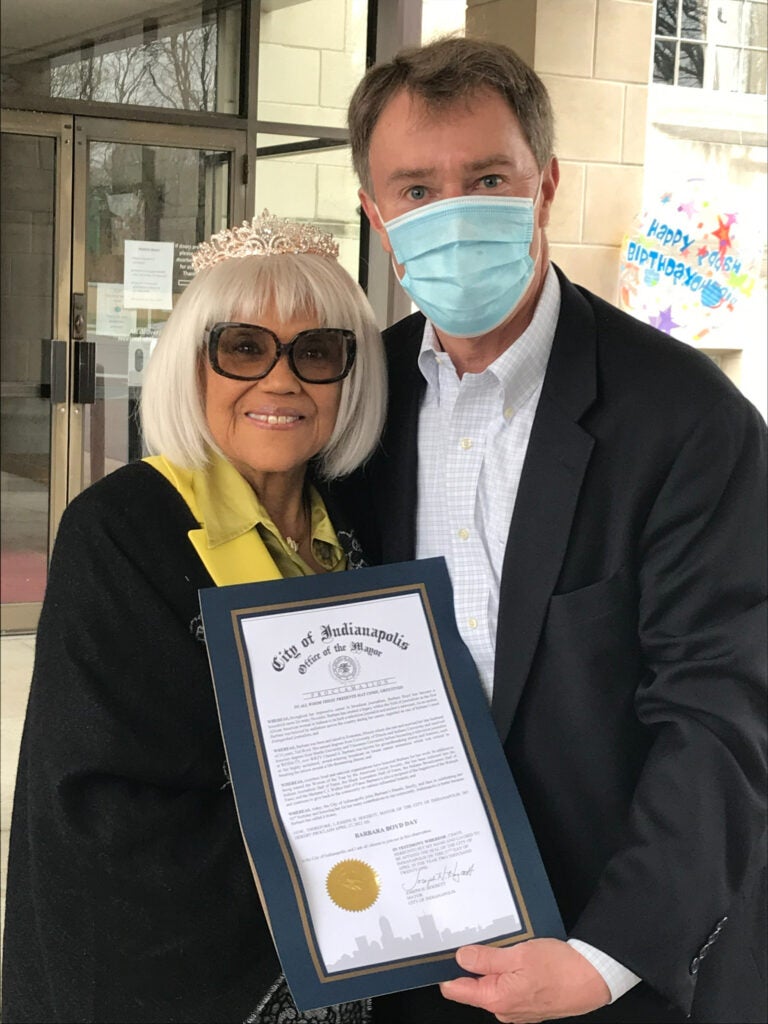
[[440, 74]]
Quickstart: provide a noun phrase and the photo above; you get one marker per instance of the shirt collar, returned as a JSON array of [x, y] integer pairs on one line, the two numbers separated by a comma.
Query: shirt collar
[[229, 507], [521, 367]]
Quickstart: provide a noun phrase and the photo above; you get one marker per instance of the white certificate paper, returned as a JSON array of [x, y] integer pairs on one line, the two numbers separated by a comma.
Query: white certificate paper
[[373, 784], [367, 777]]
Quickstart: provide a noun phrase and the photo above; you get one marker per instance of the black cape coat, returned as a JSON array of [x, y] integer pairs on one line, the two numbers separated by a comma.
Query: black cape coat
[[129, 894]]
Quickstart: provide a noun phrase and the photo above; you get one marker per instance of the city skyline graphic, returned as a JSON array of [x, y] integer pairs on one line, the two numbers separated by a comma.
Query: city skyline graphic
[[430, 939]]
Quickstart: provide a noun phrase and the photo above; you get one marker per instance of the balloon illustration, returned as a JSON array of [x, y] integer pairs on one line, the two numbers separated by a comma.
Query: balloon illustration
[[690, 260]]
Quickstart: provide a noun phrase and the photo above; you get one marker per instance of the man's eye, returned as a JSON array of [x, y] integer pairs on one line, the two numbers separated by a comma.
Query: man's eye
[[491, 180], [417, 192]]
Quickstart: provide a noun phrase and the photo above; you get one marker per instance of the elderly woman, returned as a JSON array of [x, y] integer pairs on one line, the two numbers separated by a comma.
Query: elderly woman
[[130, 897]]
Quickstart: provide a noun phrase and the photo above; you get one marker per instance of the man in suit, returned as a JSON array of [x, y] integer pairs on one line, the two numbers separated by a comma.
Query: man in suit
[[597, 489]]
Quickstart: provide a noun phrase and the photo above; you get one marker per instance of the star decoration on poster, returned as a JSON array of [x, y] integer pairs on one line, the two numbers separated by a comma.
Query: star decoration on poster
[[664, 321]]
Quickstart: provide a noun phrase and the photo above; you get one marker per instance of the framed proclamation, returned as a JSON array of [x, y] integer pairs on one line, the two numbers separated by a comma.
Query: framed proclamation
[[376, 805]]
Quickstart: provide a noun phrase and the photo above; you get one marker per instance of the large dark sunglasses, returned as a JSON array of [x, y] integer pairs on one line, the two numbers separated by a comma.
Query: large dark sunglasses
[[321, 355]]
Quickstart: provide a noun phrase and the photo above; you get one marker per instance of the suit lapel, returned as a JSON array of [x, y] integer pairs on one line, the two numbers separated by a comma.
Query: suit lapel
[[396, 483], [555, 463]]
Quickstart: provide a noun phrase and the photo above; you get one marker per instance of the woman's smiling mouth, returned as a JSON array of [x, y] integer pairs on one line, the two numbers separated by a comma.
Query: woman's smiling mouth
[[273, 420]]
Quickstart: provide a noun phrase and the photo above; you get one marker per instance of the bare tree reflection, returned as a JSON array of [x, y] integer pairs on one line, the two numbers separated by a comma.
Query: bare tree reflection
[[175, 70]]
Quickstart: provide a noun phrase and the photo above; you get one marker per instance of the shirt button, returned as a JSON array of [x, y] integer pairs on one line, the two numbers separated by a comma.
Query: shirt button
[[472, 623], [463, 533], [508, 412], [466, 443]]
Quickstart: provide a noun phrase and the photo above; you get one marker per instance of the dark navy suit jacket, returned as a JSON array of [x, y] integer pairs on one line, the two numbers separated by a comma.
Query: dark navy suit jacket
[[629, 687]]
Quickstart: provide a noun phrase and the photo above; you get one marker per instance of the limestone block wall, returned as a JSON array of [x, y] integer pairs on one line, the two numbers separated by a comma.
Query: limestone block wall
[[311, 57], [594, 57]]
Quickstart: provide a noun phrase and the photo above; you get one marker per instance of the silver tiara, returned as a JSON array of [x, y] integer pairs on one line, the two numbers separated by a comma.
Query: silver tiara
[[265, 235]]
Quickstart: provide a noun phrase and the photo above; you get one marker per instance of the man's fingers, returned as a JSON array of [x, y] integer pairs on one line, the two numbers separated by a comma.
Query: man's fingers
[[486, 959], [497, 982], [462, 990], [472, 991]]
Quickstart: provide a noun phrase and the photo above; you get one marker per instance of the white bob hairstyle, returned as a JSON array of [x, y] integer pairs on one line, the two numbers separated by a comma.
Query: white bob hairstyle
[[242, 288]]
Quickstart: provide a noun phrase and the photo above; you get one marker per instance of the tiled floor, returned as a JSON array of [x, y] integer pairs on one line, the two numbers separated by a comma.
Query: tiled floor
[[16, 655], [24, 525]]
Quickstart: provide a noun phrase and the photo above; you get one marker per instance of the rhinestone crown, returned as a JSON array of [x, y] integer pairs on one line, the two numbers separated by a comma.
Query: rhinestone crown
[[265, 235]]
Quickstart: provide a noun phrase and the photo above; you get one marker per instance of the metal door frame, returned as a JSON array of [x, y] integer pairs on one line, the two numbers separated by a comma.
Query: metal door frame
[[70, 205], [137, 133], [22, 617]]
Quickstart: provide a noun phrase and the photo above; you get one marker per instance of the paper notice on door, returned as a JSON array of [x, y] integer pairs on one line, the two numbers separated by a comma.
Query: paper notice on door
[[148, 275], [112, 318]]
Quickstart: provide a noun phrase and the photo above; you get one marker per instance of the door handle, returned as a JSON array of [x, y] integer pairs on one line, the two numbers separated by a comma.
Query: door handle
[[78, 316], [84, 376], [58, 372]]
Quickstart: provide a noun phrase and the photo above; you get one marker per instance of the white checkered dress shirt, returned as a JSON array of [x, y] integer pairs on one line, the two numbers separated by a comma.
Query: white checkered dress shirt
[[473, 436]]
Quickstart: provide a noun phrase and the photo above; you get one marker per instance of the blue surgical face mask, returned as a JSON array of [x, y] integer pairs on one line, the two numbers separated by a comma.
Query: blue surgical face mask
[[467, 260]]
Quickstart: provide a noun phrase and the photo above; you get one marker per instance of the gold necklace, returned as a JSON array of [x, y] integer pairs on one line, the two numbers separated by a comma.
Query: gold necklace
[[294, 544]]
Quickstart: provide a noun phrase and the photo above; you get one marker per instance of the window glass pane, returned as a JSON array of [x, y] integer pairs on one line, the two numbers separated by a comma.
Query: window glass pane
[[27, 198], [756, 25], [664, 62], [694, 23], [755, 72], [740, 71], [729, 23], [169, 198], [727, 76], [311, 57], [311, 184], [667, 17], [690, 70], [188, 61]]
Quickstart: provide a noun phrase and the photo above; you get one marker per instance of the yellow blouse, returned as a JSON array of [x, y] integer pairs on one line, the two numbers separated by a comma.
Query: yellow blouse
[[237, 540]]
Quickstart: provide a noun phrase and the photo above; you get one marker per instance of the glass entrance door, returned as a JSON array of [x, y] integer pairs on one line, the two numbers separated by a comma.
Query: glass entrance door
[[100, 218], [145, 196], [35, 208]]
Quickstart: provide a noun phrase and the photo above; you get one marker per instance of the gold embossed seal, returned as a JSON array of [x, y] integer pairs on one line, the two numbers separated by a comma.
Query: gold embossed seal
[[353, 885]]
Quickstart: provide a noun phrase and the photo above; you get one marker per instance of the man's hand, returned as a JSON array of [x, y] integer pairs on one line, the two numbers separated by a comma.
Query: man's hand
[[542, 979]]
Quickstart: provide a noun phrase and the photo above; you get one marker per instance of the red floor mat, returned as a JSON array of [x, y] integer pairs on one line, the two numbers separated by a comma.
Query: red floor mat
[[22, 576]]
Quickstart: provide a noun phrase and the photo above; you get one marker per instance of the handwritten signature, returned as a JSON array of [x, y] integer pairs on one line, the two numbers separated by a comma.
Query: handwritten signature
[[428, 878]]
